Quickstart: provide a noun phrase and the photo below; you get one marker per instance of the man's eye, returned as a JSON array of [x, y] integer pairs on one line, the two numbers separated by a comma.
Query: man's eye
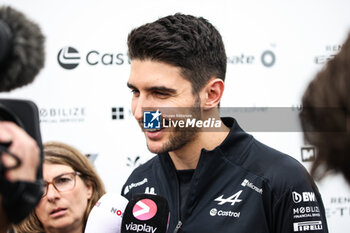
[[135, 92], [162, 94]]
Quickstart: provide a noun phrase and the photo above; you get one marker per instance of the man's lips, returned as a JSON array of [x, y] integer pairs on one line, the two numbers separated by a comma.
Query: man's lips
[[154, 134]]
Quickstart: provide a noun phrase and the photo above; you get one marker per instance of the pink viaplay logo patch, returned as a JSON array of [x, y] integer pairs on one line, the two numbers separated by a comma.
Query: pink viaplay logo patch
[[144, 209]]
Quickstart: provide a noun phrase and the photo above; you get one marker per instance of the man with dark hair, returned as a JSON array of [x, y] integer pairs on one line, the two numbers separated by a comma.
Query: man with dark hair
[[216, 177]]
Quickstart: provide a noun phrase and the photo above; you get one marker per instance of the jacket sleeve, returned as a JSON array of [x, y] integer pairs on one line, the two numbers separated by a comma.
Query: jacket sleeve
[[300, 209]]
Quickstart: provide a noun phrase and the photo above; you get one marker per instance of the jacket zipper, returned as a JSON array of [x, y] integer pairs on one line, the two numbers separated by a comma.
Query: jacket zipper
[[178, 226]]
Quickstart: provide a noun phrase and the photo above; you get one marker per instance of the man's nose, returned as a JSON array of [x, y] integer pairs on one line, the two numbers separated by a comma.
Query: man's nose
[[138, 107]]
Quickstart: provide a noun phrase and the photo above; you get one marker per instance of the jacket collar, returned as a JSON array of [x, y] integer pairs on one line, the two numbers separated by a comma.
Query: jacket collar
[[211, 163], [236, 141]]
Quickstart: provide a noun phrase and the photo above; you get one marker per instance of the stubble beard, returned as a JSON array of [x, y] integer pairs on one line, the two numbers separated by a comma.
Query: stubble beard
[[180, 137]]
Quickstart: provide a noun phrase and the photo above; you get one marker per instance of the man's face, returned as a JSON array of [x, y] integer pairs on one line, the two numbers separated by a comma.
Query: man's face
[[159, 85]]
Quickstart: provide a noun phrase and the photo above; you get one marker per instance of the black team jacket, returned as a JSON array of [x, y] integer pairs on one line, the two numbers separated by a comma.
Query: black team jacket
[[240, 186]]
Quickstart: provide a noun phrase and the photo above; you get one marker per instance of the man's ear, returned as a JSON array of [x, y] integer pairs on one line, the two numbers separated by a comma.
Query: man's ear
[[212, 93]]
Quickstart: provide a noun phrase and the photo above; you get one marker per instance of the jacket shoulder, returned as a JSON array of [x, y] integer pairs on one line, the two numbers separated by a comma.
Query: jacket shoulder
[[280, 171], [139, 177]]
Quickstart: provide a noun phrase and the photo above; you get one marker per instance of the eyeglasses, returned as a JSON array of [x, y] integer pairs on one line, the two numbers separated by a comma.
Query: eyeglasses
[[62, 183]]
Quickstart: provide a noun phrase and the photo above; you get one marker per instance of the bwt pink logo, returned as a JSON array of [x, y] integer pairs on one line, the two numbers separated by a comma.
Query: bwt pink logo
[[144, 209]]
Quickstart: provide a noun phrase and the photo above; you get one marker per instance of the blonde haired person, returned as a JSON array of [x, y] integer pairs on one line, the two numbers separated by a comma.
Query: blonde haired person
[[71, 189]]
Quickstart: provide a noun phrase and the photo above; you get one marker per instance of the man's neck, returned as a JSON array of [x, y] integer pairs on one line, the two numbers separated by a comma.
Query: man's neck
[[187, 157]]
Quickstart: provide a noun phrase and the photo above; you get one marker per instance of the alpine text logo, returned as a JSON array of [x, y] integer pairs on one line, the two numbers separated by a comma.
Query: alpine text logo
[[68, 58], [144, 209]]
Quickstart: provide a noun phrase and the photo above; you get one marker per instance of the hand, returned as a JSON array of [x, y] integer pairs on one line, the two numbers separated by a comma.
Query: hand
[[24, 147]]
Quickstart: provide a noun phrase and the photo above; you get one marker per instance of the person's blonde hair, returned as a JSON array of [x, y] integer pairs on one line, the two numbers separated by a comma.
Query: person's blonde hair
[[61, 153]]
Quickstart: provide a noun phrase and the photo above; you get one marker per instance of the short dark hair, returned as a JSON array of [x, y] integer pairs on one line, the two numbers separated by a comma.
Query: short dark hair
[[329, 89], [185, 41]]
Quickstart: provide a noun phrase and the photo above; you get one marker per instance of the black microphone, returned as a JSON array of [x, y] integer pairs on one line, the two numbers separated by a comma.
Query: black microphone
[[21, 58], [21, 49], [146, 213]]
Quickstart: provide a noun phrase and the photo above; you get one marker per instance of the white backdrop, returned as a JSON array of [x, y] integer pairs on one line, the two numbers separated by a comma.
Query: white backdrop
[[274, 48]]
